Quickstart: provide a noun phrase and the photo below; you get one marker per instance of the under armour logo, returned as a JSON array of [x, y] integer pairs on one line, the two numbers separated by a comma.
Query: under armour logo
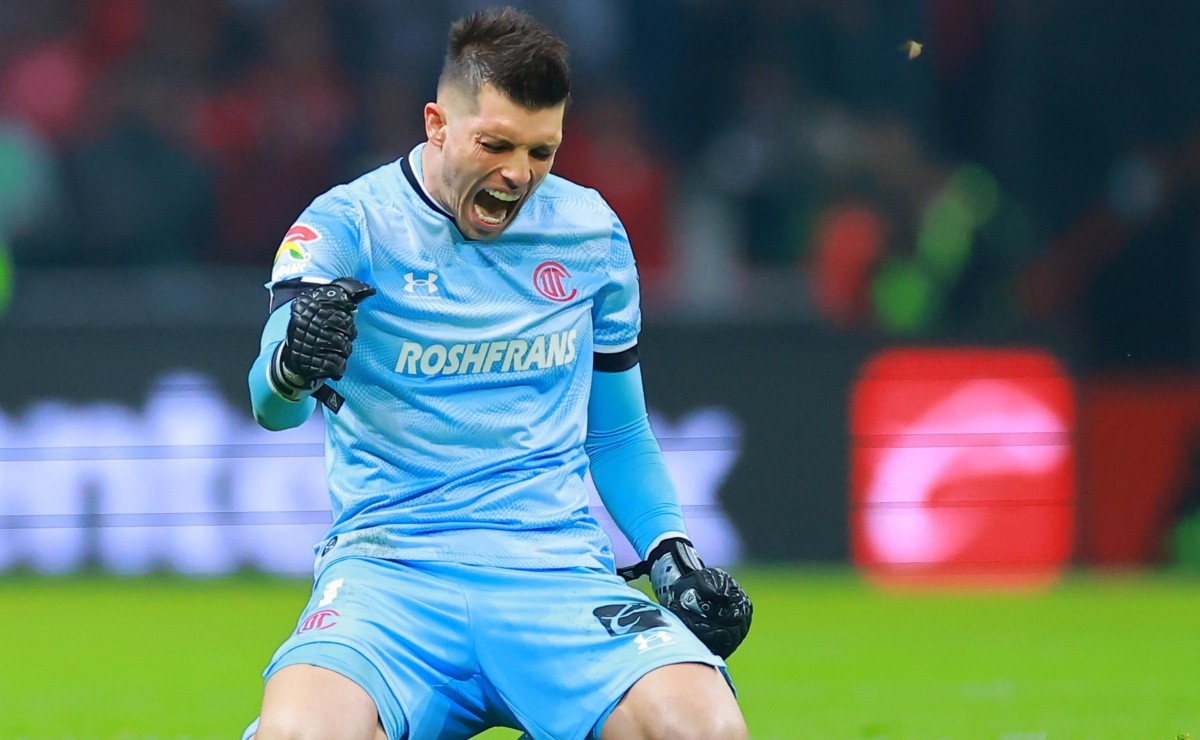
[[429, 283], [651, 640]]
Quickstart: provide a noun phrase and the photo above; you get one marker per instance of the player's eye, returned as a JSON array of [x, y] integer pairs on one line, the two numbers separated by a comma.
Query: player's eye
[[491, 147], [542, 153]]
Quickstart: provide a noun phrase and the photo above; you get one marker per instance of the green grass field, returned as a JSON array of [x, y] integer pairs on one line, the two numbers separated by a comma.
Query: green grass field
[[829, 657]]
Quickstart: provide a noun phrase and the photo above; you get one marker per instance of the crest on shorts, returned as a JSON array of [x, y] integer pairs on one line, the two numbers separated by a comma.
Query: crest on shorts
[[318, 620], [630, 618]]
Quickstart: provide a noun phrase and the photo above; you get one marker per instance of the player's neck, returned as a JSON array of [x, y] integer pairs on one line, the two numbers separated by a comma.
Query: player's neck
[[431, 176]]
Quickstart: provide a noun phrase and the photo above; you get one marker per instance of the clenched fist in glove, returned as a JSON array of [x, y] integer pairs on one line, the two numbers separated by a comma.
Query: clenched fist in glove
[[319, 337], [707, 600]]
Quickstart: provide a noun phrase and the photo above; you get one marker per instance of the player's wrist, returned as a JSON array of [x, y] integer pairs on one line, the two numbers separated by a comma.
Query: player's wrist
[[670, 560], [285, 382], [657, 541]]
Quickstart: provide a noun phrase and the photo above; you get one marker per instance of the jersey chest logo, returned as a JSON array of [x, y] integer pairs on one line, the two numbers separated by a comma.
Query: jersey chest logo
[[427, 284], [549, 280]]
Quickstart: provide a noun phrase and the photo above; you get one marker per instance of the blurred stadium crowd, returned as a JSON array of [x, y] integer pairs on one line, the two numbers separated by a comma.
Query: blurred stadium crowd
[[1039, 163]]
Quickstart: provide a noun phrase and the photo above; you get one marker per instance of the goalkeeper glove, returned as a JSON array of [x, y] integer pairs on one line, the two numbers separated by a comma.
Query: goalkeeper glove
[[319, 337], [712, 605]]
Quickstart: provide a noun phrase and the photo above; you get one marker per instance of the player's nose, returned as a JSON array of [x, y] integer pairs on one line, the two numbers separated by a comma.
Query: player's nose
[[516, 178], [517, 172]]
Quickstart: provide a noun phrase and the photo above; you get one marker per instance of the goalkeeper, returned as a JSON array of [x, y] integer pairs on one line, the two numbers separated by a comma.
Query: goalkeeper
[[469, 324]]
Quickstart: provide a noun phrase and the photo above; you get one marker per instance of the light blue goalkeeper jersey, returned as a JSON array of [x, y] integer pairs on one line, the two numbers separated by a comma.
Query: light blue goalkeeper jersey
[[461, 436]]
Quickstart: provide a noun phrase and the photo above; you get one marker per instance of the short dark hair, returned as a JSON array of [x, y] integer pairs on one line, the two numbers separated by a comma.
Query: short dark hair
[[513, 51]]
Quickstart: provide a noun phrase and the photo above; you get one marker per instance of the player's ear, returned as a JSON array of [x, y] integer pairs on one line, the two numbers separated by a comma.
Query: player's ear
[[435, 124]]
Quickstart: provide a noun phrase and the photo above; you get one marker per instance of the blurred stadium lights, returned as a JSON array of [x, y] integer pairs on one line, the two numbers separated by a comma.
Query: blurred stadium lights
[[969, 210], [6, 277]]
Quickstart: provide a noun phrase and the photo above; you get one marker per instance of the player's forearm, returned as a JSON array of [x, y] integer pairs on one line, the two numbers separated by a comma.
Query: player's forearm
[[627, 463], [272, 410], [633, 483]]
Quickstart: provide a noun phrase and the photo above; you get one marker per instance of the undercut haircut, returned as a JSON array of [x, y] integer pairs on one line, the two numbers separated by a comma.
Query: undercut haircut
[[513, 51]]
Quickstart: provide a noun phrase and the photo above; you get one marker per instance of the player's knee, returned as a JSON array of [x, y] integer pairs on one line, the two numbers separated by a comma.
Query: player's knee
[[708, 723], [292, 723], [307, 702], [678, 702], [283, 724], [299, 722]]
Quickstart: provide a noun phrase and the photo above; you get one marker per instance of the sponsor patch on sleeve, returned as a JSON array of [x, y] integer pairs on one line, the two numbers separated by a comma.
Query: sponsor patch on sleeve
[[293, 254]]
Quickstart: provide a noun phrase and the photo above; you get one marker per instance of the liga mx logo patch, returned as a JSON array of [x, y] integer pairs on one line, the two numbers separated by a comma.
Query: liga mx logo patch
[[628, 619], [293, 255]]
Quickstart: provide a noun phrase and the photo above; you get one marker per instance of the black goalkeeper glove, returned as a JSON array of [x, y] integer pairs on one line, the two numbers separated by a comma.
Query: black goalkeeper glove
[[319, 338], [712, 605]]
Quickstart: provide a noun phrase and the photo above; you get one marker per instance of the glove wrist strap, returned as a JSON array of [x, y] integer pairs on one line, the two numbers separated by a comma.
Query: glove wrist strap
[[684, 552], [286, 383], [669, 561]]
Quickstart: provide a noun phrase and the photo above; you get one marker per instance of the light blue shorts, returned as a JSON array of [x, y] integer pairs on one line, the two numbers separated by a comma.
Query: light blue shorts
[[447, 650]]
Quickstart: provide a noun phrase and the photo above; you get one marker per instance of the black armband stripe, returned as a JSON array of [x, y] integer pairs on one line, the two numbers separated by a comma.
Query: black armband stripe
[[287, 290], [284, 291], [615, 362]]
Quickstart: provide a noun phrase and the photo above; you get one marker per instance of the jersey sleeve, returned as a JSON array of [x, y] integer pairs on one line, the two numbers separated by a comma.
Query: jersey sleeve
[[616, 311], [627, 463], [323, 244]]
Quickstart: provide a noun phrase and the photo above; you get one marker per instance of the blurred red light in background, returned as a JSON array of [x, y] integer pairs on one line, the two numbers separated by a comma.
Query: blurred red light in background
[[962, 467], [46, 87], [849, 239]]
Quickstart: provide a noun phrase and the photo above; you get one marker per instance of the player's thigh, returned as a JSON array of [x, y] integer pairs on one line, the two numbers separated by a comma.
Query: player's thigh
[[307, 701], [683, 700], [399, 633], [563, 647]]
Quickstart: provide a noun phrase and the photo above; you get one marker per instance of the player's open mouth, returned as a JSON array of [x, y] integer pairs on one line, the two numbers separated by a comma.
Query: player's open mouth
[[493, 207]]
